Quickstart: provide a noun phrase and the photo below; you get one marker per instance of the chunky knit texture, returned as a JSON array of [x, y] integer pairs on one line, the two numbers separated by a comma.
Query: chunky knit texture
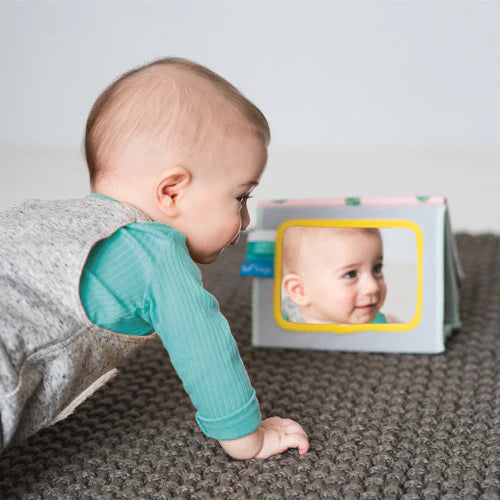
[[383, 426]]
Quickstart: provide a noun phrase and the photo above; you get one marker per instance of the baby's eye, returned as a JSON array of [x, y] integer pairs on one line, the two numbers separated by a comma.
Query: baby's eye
[[377, 269], [243, 198], [351, 275]]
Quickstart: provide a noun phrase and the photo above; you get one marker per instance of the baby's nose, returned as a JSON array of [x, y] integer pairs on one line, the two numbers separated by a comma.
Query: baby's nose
[[370, 285]]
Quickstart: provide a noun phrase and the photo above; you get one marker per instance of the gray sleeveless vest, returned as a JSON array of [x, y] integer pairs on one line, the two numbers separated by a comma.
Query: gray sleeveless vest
[[51, 355]]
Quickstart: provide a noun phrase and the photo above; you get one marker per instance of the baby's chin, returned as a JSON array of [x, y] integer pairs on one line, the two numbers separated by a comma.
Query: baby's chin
[[206, 259], [363, 317]]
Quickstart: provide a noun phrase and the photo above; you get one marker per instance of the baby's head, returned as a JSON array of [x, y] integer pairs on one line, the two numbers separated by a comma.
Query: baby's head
[[183, 145], [334, 275]]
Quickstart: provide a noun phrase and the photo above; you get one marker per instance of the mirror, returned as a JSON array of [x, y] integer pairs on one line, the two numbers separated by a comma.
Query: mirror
[[348, 275]]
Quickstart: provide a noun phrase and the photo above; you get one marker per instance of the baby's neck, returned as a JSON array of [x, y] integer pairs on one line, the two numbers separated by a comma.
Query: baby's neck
[[125, 195]]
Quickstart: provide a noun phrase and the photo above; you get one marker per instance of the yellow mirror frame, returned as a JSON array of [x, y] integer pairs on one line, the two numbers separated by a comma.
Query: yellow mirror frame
[[345, 329]]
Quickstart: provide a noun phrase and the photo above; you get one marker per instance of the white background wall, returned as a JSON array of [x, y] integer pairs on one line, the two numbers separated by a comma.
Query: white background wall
[[362, 97]]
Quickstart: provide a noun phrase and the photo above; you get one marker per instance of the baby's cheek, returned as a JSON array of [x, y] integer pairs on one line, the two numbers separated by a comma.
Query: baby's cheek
[[231, 230], [347, 300], [236, 226], [383, 293]]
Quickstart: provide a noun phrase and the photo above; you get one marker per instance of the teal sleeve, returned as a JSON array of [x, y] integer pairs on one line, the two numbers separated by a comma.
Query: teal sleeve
[[142, 279], [200, 344], [114, 278], [380, 318]]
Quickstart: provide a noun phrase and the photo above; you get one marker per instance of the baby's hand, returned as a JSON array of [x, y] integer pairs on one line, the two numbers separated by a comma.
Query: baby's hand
[[274, 435], [281, 434]]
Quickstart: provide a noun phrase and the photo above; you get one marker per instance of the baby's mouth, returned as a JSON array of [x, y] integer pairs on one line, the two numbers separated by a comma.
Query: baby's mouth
[[367, 307]]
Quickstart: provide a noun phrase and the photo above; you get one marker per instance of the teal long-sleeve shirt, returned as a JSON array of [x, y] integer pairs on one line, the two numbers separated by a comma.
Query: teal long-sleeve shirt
[[142, 279]]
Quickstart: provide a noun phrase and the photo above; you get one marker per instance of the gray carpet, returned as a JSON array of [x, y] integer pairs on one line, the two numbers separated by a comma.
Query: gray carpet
[[380, 426]]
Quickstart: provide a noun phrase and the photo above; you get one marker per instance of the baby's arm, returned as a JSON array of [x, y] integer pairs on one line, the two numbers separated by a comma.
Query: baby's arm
[[273, 436], [204, 354]]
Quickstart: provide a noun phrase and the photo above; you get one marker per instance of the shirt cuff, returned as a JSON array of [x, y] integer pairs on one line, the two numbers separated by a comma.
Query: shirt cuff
[[240, 423]]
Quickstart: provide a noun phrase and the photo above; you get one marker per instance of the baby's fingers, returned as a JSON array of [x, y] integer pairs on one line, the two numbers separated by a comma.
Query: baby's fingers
[[292, 427], [280, 434], [296, 440], [286, 425], [279, 441]]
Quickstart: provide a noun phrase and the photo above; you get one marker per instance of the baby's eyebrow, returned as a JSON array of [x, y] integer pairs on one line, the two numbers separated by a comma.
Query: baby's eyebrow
[[350, 266], [250, 184]]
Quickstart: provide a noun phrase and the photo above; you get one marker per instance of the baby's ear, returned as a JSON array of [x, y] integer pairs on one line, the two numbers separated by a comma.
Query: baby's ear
[[170, 190], [294, 288]]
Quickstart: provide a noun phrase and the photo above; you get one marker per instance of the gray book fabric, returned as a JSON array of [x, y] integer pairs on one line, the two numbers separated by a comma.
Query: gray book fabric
[[380, 425]]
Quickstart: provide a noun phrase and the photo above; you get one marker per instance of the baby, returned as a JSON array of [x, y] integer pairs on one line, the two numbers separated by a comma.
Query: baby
[[173, 152], [333, 275]]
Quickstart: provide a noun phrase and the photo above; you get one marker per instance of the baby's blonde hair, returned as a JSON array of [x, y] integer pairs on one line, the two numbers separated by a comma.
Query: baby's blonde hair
[[168, 105], [297, 241]]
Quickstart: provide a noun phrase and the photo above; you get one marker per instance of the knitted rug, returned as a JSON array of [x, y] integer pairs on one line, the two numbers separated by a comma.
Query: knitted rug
[[380, 425]]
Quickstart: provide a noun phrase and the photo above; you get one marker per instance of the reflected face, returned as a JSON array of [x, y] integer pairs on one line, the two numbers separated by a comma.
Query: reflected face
[[341, 276]]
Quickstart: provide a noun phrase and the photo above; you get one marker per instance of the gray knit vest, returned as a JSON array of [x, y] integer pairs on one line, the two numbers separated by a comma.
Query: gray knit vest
[[50, 352]]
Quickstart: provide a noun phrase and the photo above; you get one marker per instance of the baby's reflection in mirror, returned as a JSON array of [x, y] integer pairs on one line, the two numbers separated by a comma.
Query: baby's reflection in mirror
[[333, 275]]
